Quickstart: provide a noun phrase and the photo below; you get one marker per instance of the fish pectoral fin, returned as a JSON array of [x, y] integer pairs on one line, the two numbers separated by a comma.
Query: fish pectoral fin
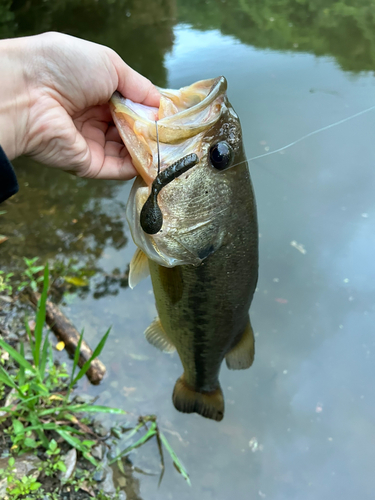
[[139, 268], [241, 356], [156, 336], [207, 404]]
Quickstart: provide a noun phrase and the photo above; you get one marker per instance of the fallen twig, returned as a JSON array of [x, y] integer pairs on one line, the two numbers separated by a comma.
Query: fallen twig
[[66, 332]]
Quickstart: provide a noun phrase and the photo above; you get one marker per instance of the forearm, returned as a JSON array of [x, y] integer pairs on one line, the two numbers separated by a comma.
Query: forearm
[[14, 97]]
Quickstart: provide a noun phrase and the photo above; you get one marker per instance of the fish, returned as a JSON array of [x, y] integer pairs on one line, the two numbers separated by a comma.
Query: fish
[[192, 215]]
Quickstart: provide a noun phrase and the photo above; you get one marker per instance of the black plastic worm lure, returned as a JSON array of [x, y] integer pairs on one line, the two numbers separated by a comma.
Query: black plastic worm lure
[[151, 216]]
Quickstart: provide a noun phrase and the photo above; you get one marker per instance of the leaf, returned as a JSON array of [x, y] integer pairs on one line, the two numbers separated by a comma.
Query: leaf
[[99, 409], [18, 427], [76, 443], [53, 445], [88, 443], [74, 280], [149, 434], [94, 355], [3, 238], [17, 356], [44, 357], [61, 466], [34, 419], [41, 317], [29, 334], [51, 426], [181, 469], [30, 262], [160, 448], [7, 380], [76, 358], [21, 375], [2, 212], [20, 406], [36, 269], [35, 486], [30, 443]]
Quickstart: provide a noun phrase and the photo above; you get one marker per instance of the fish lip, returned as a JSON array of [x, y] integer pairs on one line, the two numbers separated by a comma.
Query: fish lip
[[123, 109]]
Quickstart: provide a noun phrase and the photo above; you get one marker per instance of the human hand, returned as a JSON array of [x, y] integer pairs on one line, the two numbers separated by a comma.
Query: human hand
[[54, 104]]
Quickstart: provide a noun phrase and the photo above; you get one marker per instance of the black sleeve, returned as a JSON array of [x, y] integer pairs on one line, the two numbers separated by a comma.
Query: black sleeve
[[8, 179]]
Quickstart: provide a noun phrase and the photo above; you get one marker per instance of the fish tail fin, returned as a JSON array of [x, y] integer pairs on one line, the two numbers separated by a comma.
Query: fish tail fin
[[241, 356], [207, 404]]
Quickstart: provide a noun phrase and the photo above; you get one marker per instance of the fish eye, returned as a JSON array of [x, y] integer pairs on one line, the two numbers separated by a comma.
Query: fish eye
[[221, 155]]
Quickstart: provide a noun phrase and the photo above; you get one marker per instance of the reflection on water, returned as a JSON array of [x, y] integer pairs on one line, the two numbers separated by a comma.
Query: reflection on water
[[300, 423], [340, 28]]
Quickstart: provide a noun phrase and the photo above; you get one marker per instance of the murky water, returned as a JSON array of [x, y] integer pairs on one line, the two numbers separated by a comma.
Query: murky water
[[300, 423]]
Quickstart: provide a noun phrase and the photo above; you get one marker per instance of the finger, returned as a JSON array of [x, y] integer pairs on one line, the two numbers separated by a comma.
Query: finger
[[113, 135], [115, 168], [133, 85], [113, 148]]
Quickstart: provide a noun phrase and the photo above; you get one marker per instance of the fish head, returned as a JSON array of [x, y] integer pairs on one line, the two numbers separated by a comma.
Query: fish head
[[196, 206]]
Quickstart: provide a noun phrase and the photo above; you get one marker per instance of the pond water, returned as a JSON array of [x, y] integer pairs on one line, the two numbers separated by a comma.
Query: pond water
[[299, 424]]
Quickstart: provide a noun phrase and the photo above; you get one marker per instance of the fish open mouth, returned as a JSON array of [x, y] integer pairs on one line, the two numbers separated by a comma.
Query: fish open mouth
[[182, 119]]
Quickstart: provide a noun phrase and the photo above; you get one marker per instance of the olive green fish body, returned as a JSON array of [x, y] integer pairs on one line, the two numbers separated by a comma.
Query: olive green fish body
[[198, 237], [204, 309]]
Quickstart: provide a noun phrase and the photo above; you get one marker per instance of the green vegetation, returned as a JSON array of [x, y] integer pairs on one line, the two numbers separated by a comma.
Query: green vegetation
[[38, 405], [39, 412], [17, 488], [142, 34], [341, 28]]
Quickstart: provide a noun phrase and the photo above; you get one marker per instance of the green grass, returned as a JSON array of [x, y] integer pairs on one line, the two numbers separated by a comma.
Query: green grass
[[41, 398], [40, 402]]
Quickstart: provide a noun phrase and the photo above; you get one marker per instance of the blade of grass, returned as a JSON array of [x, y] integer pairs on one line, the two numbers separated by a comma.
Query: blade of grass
[[7, 380], [83, 408], [16, 356], [51, 426], [34, 420], [99, 409], [44, 357], [22, 369], [72, 430], [76, 443], [41, 317], [95, 354], [29, 334], [149, 434], [20, 406], [133, 431], [76, 358], [160, 447], [181, 469], [90, 458]]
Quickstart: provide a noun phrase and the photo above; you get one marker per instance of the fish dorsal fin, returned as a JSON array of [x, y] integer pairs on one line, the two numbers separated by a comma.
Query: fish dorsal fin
[[241, 356], [156, 336], [139, 268]]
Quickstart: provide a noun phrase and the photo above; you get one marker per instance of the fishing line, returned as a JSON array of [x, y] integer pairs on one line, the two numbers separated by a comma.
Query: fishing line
[[157, 142], [308, 135]]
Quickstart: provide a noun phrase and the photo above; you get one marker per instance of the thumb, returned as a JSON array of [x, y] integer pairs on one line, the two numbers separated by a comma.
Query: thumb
[[133, 85]]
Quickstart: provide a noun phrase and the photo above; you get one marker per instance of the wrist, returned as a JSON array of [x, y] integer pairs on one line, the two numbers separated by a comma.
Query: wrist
[[14, 97]]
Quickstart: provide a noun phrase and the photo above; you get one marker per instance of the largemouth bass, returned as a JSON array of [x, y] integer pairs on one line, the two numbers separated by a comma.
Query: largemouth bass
[[193, 219]]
